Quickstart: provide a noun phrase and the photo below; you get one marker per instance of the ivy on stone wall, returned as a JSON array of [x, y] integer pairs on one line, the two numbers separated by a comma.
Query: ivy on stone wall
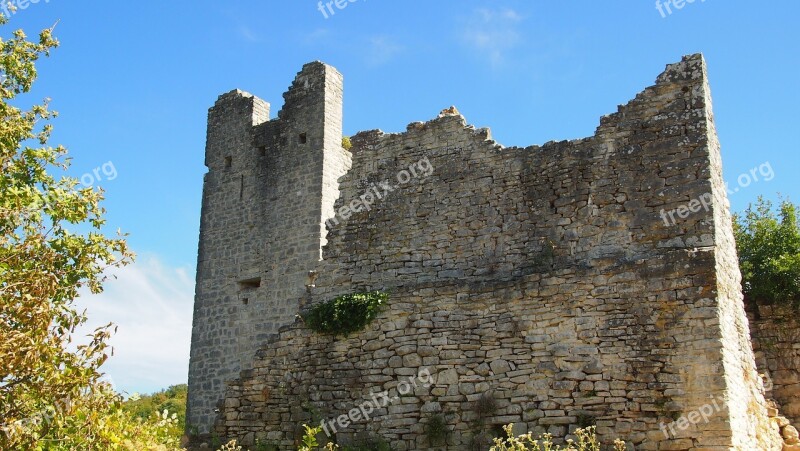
[[345, 314]]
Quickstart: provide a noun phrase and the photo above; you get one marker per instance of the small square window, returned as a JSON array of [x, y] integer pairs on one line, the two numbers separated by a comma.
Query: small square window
[[228, 162], [303, 138], [250, 284]]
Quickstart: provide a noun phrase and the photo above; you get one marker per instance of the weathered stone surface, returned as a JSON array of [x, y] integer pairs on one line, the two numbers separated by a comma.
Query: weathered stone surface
[[539, 286], [789, 434], [775, 330], [268, 184]]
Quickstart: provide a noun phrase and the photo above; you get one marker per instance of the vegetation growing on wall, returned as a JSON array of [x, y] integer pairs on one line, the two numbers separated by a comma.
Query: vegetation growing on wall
[[345, 314], [436, 430]]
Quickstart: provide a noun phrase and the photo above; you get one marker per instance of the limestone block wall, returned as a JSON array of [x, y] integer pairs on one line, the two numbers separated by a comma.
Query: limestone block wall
[[776, 342], [260, 229], [550, 280]]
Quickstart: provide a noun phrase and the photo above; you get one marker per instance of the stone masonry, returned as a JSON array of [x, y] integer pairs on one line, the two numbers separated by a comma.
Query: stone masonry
[[268, 185], [775, 331], [538, 286]]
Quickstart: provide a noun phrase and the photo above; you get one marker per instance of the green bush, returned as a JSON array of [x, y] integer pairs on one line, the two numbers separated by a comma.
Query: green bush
[[346, 143], [345, 314], [769, 252]]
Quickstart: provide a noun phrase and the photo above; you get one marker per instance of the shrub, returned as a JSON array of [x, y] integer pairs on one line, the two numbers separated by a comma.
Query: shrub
[[309, 440], [345, 314], [230, 446], [587, 441], [346, 143]]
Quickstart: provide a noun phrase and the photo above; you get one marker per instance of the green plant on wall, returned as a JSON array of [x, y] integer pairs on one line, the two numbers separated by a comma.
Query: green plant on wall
[[545, 258], [484, 408], [436, 430], [345, 314], [346, 143], [585, 420]]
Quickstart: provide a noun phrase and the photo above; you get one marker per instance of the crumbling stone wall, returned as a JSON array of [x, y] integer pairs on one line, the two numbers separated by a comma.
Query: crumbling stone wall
[[545, 278], [776, 341]]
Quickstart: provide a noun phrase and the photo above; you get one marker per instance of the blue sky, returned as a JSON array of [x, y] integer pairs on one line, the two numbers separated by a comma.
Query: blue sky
[[133, 82]]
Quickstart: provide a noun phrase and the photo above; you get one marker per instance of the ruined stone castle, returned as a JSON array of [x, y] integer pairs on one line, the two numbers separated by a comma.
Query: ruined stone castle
[[537, 286]]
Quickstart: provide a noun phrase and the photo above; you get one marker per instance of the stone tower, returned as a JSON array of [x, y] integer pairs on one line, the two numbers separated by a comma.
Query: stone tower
[[270, 187]]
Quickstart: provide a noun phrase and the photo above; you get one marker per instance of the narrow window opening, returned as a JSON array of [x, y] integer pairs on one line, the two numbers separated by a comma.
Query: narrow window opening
[[228, 162], [250, 284], [245, 301], [263, 151], [303, 138]]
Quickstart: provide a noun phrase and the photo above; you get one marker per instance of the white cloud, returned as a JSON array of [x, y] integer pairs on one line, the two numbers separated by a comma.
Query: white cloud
[[492, 33], [317, 36], [381, 50], [152, 306], [248, 34]]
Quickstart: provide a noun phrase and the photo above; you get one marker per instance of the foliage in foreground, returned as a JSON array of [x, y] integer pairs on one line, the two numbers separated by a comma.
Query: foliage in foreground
[[587, 441], [172, 400], [309, 441], [345, 314], [769, 252], [94, 420], [51, 397]]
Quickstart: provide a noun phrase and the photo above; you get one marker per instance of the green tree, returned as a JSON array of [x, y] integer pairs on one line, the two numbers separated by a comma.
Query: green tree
[[768, 243], [50, 394]]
